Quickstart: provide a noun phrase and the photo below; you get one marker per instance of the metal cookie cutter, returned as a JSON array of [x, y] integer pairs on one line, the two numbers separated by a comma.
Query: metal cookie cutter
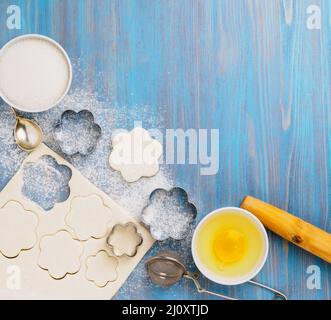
[[169, 214], [124, 240], [77, 133]]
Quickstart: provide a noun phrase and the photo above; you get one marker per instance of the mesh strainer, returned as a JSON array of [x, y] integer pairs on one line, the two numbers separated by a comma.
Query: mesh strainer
[[167, 268]]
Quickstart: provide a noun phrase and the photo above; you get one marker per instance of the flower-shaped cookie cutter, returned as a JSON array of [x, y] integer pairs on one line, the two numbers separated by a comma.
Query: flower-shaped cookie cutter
[[124, 240], [169, 214], [77, 133]]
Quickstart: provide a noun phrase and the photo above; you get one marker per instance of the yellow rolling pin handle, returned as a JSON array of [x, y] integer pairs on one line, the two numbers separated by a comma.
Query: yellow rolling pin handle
[[291, 228]]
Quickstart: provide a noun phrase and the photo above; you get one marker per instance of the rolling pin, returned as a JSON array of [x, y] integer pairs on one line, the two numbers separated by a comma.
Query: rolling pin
[[291, 228]]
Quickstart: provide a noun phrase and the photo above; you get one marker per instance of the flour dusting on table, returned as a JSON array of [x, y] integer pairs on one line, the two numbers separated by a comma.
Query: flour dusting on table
[[131, 196]]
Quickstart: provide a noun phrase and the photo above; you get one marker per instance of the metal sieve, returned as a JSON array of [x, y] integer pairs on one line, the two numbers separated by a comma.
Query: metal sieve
[[166, 268]]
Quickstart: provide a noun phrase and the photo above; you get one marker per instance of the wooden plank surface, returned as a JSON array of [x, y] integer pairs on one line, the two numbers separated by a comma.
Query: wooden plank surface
[[251, 68]]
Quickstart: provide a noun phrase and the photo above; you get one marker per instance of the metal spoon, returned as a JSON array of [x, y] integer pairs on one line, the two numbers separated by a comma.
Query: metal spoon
[[167, 268], [27, 133]]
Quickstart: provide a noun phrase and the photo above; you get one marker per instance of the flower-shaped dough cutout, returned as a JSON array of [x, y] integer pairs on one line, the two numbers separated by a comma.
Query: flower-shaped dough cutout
[[135, 154], [17, 229], [169, 214], [60, 254], [89, 217], [101, 269], [124, 239], [77, 133], [46, 182]]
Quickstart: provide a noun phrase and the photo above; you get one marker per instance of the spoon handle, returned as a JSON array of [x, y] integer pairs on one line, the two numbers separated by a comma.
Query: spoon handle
[[13, 111]]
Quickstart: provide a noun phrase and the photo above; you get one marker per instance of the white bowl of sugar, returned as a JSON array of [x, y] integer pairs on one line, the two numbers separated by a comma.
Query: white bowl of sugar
[[35, 73]]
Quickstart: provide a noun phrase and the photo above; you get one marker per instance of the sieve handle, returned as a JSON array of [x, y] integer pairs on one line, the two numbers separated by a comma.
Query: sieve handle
[[278, 295], [194, 277]]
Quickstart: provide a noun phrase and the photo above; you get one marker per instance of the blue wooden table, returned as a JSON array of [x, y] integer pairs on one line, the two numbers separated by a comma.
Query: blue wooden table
[[254, 69]]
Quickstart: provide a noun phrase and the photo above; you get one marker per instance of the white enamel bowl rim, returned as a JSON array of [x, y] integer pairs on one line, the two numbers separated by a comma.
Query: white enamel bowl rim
[[224, 280], [60, 48]]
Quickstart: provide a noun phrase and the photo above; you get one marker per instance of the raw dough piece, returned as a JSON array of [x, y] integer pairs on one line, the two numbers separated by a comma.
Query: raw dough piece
[[60, 254], [101, 268], [124, 240], [17, 229], [89, 217], [135, 154]]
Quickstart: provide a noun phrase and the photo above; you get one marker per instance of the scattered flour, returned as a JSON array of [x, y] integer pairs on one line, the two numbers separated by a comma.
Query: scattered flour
[[132, 196], [95, 166], [11, 156]]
